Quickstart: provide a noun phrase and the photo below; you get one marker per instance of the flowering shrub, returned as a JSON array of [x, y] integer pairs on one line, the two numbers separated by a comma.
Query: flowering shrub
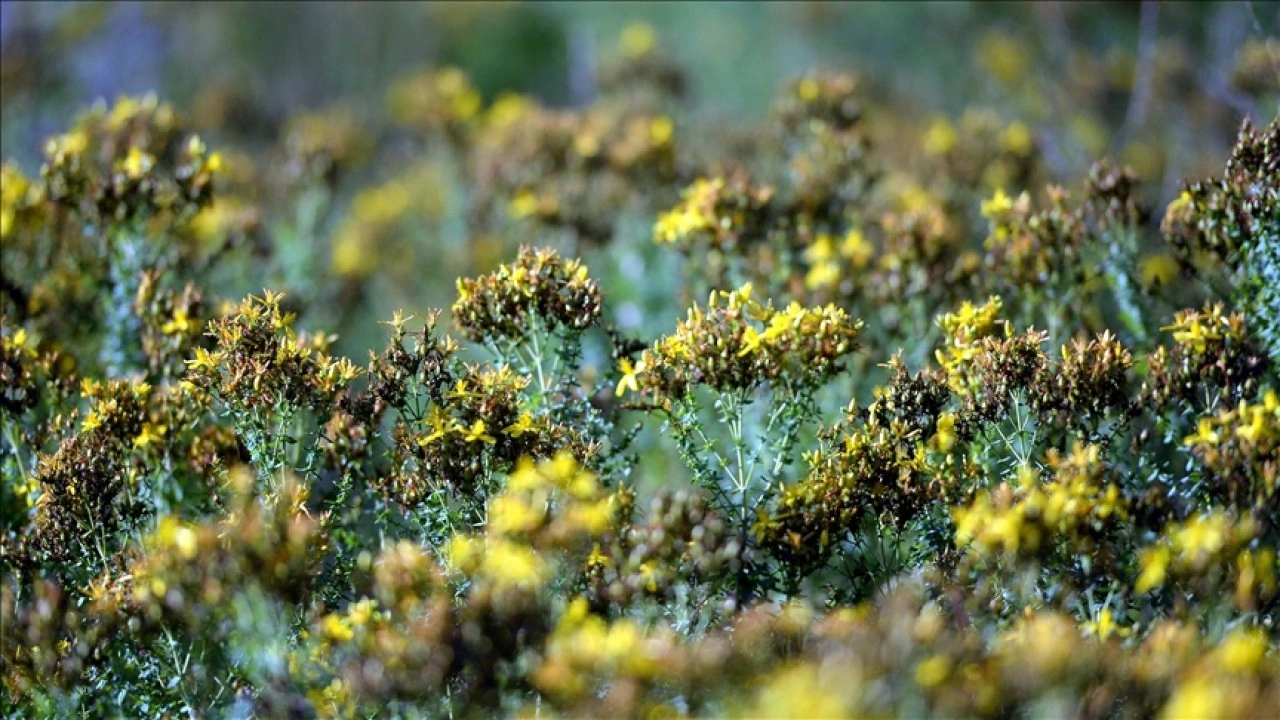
[[943, 439]]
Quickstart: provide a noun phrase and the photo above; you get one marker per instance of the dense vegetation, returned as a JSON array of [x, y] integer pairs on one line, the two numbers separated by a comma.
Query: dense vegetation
[[853, 413]]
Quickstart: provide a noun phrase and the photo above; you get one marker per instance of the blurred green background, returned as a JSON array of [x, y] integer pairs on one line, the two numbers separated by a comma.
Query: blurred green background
[[287, 56]]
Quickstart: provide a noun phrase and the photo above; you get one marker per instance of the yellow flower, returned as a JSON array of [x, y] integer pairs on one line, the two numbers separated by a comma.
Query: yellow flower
[[856, 249], [1016, 139], [998, 205], [185, 540], [1242, 649], [180, 323], [1105, 626], [637, 39], [649, 575], [335, 629], [1198, 697], [932, 671], [801, 691], [676, 346], [1159, 270], [509, 514], [630, 376], [597, 558], [441, 424], [593, 517], [822, 275], [940, 138], [205, 360], [150, 434], [946, 431], [808, 90], [524, 204], [661, 129], [514, 565], [361, 612], [750, 341], [1196, 335], [1203, 534], [460, 391], [1205, 433], [476, 433], [137, 163], [822, 249], [521, 426]]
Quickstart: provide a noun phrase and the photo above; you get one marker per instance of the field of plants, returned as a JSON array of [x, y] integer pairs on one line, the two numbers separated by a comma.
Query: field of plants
[[597, 383]]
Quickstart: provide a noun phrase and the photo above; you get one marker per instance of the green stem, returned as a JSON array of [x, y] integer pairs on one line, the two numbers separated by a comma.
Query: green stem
[[17, 451]]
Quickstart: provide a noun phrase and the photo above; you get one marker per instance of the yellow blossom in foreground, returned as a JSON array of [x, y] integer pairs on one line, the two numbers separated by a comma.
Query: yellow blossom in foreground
[[476, 433], [630, 376]]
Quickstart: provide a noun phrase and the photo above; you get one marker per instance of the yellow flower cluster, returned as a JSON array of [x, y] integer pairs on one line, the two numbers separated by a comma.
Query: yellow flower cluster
[[260, 360], [377, 213], [1207, 549], [692, 215], [274, 544], [107, 401], [1226, 682], [1197, 329], [585, 650], [540, 289], [1241, 447], [1074, 506], [440, 99], [552, 505], [738, 342], [722, 212], [320, 144], [826, 260], [962, 330], [19, 197]]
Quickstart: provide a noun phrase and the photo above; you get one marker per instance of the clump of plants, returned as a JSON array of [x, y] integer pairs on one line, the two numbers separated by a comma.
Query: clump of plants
[[941, 440]]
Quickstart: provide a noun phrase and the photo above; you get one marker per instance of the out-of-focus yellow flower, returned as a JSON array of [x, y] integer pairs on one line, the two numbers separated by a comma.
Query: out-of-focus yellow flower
[[1105, 626], [932, 671], [510, 514], [336, 629], [997, 206], [1016, 139], [1195, 698], [137, 163], [638, 39], [661, 129], [179, 324], [940, 138], [1243, 649], [523, 204], [151, 434], [1002, 56], [1159, 270], [800, 691]]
